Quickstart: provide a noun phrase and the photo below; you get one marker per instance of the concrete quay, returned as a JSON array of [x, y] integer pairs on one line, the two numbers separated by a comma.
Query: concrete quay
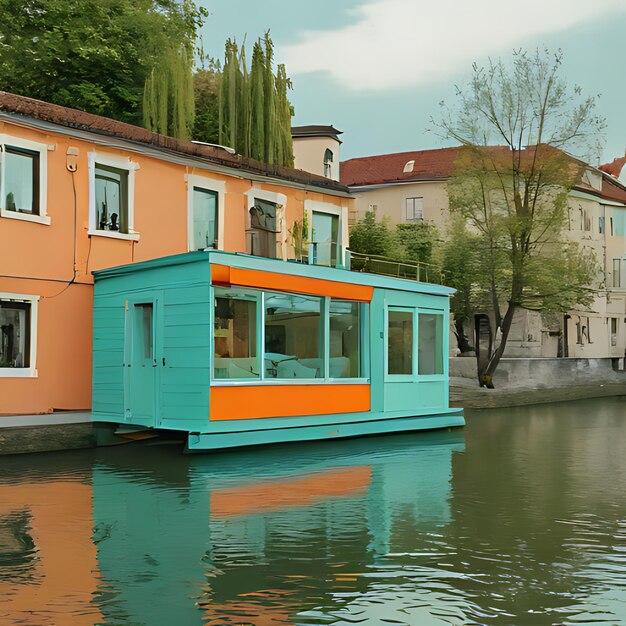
[[520, 381]]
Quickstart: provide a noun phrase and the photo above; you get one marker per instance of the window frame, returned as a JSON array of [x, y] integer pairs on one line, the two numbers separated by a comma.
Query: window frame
[[209, 184], [280, 200], [260, 294], [329, 158], [406, 209], [120, 163], [34, 147], [415, 376], [315, 206], [616, 275], [31, 370]]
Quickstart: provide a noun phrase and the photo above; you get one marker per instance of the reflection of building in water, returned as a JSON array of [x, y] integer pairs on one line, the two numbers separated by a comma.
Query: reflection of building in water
[[48, 567], [258, 535]]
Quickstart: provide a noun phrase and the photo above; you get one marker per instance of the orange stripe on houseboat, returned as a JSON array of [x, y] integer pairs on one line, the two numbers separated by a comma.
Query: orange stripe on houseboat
[[259, 401], [223, 275], [220, 274], [277, 495]]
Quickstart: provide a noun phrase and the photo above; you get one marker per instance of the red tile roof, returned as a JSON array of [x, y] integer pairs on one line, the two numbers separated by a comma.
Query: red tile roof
[[615, 167], [80, 120], [389, 168], [438, 165], [613, 189]]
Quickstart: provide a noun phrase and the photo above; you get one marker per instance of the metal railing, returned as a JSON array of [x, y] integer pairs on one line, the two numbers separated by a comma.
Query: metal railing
[[411, 270]]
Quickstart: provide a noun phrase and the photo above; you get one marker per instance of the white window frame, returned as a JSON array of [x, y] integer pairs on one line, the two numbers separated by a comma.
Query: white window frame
[[33, 146], [121, 163], [210, 184], [280, 200], [31, 370], [315, 206], [413, 219]]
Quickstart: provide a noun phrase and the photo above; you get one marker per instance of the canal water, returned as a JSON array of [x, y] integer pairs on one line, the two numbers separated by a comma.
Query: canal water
[[519, 518]]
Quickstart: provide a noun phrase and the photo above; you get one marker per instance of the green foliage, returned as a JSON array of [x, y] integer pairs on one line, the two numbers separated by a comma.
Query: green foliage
[[511, 185], [168, 101], [417, 241], [206, 84], [406, 242], [368, 236], [94, 55], [254, 111], [461, 266]]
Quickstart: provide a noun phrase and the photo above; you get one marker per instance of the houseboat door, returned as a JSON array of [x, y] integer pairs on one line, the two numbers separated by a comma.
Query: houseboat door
[[143, 369]]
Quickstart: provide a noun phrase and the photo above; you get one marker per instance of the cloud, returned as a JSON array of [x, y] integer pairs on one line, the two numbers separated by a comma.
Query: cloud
[[400, 43]]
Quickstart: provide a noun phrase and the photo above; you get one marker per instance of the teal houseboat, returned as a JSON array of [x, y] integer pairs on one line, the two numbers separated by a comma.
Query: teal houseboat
[[237, 350]]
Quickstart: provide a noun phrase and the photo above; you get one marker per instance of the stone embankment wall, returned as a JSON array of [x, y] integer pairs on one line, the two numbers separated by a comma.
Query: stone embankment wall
[[520, 381]]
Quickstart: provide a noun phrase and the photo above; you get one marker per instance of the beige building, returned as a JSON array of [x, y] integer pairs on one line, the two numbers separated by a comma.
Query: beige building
[[410, 187], [316, 150]]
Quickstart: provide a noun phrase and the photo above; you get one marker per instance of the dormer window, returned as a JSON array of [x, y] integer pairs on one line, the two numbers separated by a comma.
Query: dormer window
[[328, 163], [408, 167]]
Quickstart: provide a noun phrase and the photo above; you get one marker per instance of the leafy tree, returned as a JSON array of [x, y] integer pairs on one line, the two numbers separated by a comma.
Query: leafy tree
[[515, 195], [168, 100], [461, 268], [417, 241], [408, 250], [206, 85], [368, 236], [254, 111], [94, 55]]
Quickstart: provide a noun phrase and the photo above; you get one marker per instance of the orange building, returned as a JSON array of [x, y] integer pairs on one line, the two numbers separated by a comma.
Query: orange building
[[79, 193]]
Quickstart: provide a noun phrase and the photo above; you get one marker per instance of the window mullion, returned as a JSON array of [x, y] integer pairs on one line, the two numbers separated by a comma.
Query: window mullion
[[325, 339], [415, 346], [2, 177], [261, 333]]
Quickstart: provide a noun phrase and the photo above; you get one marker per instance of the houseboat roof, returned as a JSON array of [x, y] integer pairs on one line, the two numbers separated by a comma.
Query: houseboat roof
[[56, 118], [278, 266]]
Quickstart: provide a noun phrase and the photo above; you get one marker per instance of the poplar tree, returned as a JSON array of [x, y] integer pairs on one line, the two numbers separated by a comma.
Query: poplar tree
[[168, 100], [254, 110], [257, 103]]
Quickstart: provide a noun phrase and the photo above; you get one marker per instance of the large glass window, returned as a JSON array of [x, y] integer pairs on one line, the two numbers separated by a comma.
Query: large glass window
[[293, 336], [344, 339], [235, 336], [15, 334], [325, 238], [430, 344], [399, 341], [111, 198], [204, 218], [21, 184]]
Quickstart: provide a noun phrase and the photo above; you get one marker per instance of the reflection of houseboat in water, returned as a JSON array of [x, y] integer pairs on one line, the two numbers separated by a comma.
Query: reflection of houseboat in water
[[261, 537], [237, 350]]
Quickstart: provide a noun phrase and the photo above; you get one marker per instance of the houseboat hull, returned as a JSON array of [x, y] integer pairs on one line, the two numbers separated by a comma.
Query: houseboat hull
[[198, 442]]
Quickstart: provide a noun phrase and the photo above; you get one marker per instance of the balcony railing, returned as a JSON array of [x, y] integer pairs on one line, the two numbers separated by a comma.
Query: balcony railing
[[411, 270]]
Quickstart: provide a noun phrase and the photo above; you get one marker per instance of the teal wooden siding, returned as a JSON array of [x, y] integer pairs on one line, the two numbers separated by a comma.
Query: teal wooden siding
[[186, 349], [108, 356], [182, 356]]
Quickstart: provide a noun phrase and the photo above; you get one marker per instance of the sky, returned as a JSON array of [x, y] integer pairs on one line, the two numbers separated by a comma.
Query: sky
[[379, 69]]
